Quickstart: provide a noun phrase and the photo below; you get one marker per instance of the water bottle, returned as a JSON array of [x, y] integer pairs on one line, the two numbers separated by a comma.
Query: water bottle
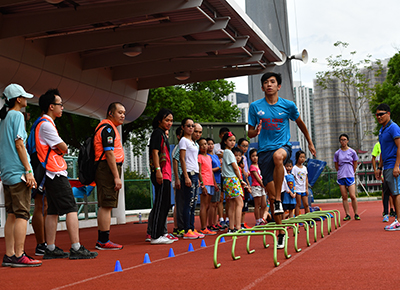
[[140, 217]]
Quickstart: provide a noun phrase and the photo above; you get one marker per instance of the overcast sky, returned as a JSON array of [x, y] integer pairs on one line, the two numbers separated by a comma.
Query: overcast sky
[[370, 27]]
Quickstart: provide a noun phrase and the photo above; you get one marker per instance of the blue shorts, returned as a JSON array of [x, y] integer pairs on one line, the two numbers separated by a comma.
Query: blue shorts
[[267, 165], [347, 181], [301, 193], [210, 189], [392, 182]]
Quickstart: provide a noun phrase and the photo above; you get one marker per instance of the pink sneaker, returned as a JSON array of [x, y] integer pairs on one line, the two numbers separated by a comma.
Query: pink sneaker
[[198, 234], [148, 238]]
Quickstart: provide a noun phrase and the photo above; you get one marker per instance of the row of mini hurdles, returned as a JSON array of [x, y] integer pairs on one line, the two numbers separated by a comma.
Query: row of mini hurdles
[[308, 220]]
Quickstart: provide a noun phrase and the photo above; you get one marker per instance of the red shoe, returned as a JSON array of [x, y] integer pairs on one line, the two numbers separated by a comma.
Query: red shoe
[[148, 238], [108, 246], [207, 232], [24, 261], [246, 226], [198, 234]]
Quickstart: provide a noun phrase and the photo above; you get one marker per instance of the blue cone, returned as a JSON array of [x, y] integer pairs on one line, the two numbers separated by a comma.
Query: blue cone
[[146, 259], [203, 244], [190, 248], [222, 240], [117, 267], [171, 253]]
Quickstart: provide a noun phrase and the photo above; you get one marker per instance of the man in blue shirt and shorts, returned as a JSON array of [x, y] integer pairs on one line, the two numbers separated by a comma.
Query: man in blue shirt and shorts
[[389, 138], [269, 120]]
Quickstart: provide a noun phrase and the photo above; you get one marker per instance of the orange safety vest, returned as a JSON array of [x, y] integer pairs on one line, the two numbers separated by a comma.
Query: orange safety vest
[[55, 162], [98, 144]]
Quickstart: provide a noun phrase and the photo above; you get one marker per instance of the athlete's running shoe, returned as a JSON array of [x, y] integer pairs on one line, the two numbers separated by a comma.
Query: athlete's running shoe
[[395, 226], [385, 218], [108, 246], [207, 232], [190, 235]]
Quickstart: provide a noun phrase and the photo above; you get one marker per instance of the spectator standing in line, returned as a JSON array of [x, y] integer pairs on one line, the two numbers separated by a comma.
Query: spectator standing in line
[[60, 198], [161, 175], [16, 176], [109, 152]]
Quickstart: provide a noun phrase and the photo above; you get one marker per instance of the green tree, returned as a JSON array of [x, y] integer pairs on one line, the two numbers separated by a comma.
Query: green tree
[[200, 101], [352, 80], [389, 91], [137, 190]]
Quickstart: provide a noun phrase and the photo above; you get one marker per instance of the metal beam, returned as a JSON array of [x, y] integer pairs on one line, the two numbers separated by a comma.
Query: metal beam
[[4, 3], [182, 64], [158, 52], [200, 76], [24, 24], [82, 42]]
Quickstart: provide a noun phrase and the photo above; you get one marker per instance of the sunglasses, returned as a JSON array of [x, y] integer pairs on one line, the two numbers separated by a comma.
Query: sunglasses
[[380, 114], [190, 126]]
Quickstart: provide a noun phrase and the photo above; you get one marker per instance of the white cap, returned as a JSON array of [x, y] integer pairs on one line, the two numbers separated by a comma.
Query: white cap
[[14, 91]]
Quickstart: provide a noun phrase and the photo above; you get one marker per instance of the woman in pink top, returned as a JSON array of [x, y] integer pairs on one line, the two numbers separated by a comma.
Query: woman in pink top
[[208, 186], [257, 189]]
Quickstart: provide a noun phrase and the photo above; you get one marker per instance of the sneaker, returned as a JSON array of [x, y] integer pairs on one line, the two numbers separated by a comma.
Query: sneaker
[[56, 254], [278, 208], [175, 231], [24, 261], [281, 241], [213, 228], [232, 231], [180, 233], [190, 235], [385, 218], [357, 217], [227, 224], [40, 248], [7, 261], [171, 237], [207, 232], [223, 225], [197, 233], [219, 226], [82, 253], [395, 226], [108, 246], [244, 225], [148, 238], [347, 218], [161, 240]]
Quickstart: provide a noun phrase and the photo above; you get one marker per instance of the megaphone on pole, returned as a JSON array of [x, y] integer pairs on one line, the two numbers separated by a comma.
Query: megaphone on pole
[[303, 56]]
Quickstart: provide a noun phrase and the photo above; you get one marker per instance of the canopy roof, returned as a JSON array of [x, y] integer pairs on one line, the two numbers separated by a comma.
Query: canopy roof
[[78, 46]]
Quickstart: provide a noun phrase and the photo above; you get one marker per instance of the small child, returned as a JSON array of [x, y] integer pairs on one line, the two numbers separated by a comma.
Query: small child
[[244, 145], [257, 189], [208, 186], [239, 159], [220, 152], [233, 182], [289, 195], [300, 175], [215, 199]]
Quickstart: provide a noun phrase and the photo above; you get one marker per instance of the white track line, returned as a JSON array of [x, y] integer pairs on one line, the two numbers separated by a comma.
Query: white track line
[[276, 269]]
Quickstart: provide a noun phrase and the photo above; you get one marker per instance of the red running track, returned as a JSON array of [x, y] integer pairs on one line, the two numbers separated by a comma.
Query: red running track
[[358, 255]]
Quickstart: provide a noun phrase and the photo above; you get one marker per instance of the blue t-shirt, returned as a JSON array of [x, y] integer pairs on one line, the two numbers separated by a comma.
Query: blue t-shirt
[[227, 160], [12, 128], [216, 163], [387, 135], [275, 131], [287, 199]]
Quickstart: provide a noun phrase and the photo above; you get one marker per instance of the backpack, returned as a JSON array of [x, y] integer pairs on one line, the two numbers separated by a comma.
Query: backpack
[[86, 163], [38, 168]]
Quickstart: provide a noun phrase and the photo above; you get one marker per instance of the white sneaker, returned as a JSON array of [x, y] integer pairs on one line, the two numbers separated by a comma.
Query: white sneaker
[[161, 240], [278, 208], [281, 241], [391, 225]]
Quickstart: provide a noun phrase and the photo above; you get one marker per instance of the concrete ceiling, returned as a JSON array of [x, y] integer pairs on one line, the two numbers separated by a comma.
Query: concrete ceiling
[[77, 46]]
